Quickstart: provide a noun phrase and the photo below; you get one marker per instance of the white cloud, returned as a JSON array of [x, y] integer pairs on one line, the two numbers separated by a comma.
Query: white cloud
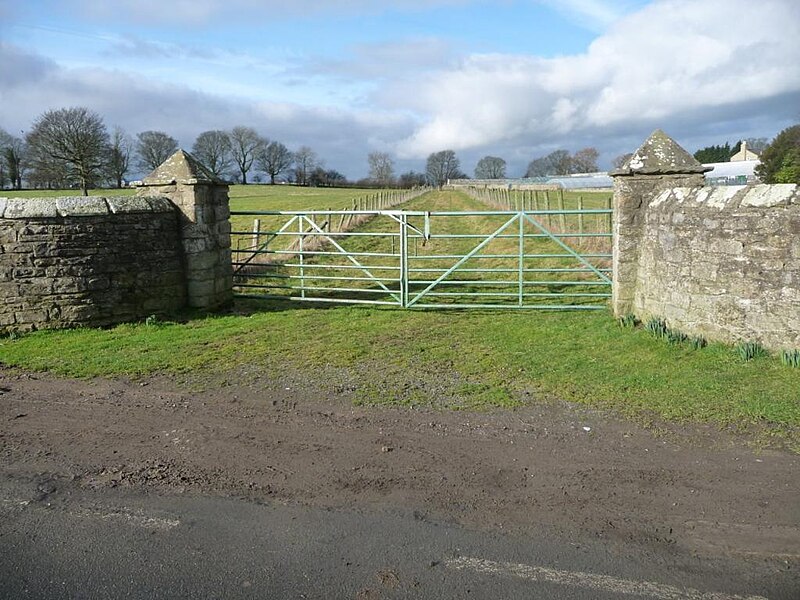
[[706, 71], [343, 138], [385, 60], [675, 60]]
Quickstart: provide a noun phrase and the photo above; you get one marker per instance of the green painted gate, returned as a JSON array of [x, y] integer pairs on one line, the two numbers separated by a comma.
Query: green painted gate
[[537, 259]]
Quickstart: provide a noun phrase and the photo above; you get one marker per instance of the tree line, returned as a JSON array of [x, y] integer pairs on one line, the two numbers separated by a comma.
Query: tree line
[[718, 153], [71, 147], [779, 159]]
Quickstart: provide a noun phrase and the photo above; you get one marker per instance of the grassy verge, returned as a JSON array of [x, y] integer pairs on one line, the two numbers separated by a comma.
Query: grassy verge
[[446, 359]]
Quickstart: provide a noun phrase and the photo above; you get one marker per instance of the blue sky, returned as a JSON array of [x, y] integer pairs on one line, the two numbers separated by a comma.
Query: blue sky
[[515, 79]]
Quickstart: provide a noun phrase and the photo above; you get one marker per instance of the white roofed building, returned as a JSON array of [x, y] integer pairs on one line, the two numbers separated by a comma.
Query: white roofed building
[[744, 155]]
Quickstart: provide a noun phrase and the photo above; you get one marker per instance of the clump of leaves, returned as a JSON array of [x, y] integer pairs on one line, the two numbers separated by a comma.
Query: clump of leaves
[[750, 350], [791, 358], [697, 343], [629, 321], [658, 327], [676, 337]]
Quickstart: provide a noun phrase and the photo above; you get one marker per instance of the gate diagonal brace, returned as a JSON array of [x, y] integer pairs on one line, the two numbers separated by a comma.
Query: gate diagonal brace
[[464, 259], [351, 258], [263, 245], [580, 258]]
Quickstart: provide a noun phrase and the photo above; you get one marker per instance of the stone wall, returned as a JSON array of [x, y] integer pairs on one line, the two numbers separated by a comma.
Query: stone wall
[[67, 262], [724, 263], [90, 261], [718, 262]]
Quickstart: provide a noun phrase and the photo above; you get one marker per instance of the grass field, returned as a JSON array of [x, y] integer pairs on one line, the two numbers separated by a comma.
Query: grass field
[[446, 359]]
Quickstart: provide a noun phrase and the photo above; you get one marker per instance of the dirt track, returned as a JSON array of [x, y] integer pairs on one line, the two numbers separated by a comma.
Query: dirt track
[[692, 490]]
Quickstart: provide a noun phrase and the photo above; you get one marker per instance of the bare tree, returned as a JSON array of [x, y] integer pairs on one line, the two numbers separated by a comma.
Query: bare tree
[[490, 167], [321, 177], [12, 155], [562, 162], [757, 145], [381, 168], [620, 160], [558, 162], [274, 159], [153, 148], [74, 137], [442, 166], [412, 179], [246, 144], [305, 161], [213, 150], [119, 157], [584, 161]]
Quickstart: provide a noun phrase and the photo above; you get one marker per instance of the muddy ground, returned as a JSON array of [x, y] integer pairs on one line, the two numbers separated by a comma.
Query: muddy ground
[[574, 472]]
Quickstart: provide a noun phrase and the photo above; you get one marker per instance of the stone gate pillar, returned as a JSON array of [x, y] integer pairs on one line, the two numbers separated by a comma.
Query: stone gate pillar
[[205, 228], [659, 164]]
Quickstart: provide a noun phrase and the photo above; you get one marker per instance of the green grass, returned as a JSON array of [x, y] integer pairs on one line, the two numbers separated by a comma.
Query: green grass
[[446, 359], [475, 359]]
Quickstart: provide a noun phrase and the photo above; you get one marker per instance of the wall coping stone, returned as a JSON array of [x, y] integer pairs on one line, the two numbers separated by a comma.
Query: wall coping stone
[[771, 195], [128, 204], [74, 207], [81, 206], [733, 196], [30, 208]]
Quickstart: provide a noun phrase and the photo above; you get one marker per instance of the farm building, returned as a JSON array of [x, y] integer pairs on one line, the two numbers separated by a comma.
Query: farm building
[[744, 155]]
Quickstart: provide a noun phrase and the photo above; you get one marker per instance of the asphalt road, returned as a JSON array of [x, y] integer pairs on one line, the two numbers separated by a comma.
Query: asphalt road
[[60, 541]]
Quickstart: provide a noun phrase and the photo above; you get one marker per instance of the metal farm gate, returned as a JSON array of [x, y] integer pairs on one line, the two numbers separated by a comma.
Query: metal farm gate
[[536, 259]]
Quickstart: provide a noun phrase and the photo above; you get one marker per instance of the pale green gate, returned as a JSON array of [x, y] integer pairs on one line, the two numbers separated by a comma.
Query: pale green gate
[[537, 259]]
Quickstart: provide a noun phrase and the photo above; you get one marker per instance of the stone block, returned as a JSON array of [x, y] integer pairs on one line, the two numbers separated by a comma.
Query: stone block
[[224, 285], [30, 208], [31, 316], [160, 204], [197, 245], [78, 206], [3, 202], [769, 195], [27, 272], [128, 204], [222, 213], [199, 288], [202, 261]]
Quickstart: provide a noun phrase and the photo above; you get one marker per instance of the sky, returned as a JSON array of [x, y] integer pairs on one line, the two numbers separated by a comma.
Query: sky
[[510, 78]]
